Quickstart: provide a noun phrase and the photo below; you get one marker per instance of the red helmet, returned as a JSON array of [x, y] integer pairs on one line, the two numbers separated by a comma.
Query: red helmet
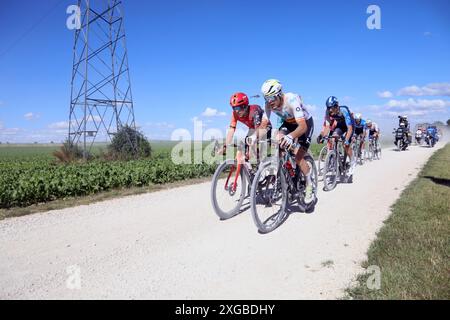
[[239, 99]]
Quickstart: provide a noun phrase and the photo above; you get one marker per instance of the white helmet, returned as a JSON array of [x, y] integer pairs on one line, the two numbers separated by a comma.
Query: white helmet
[[369, 122], [358, 116], [271, 88]]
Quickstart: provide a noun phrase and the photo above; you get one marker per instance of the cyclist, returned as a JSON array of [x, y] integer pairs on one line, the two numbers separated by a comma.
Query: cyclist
[[374, 132], [340, 120], [297, 124], [252, 116], [360, 130]]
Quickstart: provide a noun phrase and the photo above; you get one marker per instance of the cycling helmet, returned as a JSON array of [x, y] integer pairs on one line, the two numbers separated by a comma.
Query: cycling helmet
[[239, 99], [272, 88], [332, 102], [369, 122], [358, 116]]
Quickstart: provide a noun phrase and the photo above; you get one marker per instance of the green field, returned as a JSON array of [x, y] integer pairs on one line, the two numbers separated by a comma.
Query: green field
[[30, 174]]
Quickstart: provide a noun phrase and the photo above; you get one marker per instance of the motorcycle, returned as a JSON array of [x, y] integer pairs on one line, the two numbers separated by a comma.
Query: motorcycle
[[401, 139], [430, 140]]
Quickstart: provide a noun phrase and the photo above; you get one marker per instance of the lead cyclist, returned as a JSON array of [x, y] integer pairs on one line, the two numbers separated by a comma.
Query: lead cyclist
[[297, 123]]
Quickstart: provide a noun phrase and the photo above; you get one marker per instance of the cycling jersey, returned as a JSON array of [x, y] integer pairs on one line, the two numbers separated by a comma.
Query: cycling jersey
[[292, 108], [374, 129], [342, 120], [361, 127], [253, 118]]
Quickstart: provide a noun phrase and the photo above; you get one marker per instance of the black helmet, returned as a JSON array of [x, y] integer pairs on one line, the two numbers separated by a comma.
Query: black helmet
[[332, 102]]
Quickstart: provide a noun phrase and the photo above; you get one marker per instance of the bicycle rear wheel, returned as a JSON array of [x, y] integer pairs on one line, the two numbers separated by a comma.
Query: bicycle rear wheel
[[268, 197], [227, 192]]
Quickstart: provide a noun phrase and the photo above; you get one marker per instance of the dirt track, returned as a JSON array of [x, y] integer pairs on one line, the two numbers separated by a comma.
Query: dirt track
[[171, 245]]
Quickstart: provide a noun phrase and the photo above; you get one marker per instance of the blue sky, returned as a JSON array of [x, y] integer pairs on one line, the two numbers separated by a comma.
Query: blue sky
[[188, 57]]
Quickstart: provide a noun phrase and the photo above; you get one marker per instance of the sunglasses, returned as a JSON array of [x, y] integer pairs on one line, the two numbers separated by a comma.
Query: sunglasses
[[270, 99], [238, 109]]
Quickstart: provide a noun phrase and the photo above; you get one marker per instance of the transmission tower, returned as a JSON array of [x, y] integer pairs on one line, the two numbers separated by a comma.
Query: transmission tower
[[101, 100]]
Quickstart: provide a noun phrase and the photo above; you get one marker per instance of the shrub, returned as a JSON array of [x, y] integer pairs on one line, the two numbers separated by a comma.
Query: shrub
[[129, 144]]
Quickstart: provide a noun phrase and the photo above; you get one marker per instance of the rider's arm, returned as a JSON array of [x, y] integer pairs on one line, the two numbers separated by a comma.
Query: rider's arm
[[349, 123], [232, 130], [301, 129]]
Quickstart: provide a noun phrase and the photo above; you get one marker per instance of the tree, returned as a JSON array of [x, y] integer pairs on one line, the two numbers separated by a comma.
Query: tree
[[448, 122]]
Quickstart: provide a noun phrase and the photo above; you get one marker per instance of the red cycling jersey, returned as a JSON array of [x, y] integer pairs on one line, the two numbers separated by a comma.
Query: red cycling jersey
[[252, 120]]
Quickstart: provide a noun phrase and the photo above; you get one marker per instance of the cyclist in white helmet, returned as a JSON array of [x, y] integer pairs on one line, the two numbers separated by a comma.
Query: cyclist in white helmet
[[374, 131], [297, 124]]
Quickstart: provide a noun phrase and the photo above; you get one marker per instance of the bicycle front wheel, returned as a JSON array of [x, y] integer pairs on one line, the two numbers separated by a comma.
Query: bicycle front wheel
[[268, 197], [321, 160], [331, 172], [228, 189]]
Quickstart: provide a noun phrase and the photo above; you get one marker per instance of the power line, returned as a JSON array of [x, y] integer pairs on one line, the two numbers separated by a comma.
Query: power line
[[31, 29]]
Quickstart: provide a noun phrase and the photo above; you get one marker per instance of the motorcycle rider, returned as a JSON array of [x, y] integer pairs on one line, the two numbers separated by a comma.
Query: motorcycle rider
[[404, 123], [432, 134]]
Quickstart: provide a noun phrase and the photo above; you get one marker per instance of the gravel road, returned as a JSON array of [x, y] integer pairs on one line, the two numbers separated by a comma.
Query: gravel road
[[171, 245]]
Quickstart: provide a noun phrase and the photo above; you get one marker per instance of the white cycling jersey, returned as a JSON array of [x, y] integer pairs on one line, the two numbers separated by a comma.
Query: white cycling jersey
[[293, 108], [374, 128]]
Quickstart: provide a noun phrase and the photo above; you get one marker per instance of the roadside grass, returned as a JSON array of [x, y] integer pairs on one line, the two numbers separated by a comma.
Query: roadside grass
[[412, 249]]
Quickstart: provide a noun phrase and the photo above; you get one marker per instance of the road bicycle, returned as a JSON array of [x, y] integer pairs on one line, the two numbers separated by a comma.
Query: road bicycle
[[336, 166], [357, 150], [277, 185], [232, 180]]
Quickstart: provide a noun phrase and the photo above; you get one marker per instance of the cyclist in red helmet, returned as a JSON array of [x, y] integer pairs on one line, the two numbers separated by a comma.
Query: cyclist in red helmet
[[253, 116]]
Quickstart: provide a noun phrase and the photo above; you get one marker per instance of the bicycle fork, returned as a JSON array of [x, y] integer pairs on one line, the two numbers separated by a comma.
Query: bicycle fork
[[233, 188]]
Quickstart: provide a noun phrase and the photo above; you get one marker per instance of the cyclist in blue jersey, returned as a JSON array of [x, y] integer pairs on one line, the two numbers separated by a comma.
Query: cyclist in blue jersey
[[360, 130], [340, 120]]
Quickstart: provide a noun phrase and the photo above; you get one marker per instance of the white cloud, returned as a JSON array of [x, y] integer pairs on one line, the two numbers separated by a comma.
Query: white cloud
[[209, 112], [432, 89], [427, 34], [62, 125], [1, 103], [31, 116], [436, 105], [385, 94], [412, 107]]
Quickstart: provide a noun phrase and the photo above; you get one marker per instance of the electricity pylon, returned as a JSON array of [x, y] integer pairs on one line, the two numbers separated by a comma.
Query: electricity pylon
[[101, 100]]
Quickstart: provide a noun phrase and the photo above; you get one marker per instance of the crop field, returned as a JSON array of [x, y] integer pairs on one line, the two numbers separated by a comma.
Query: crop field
[[29, 174]]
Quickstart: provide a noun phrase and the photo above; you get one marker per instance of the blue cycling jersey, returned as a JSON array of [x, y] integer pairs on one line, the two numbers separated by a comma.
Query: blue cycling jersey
[[431, 132], [343, 117], [361, 125]]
